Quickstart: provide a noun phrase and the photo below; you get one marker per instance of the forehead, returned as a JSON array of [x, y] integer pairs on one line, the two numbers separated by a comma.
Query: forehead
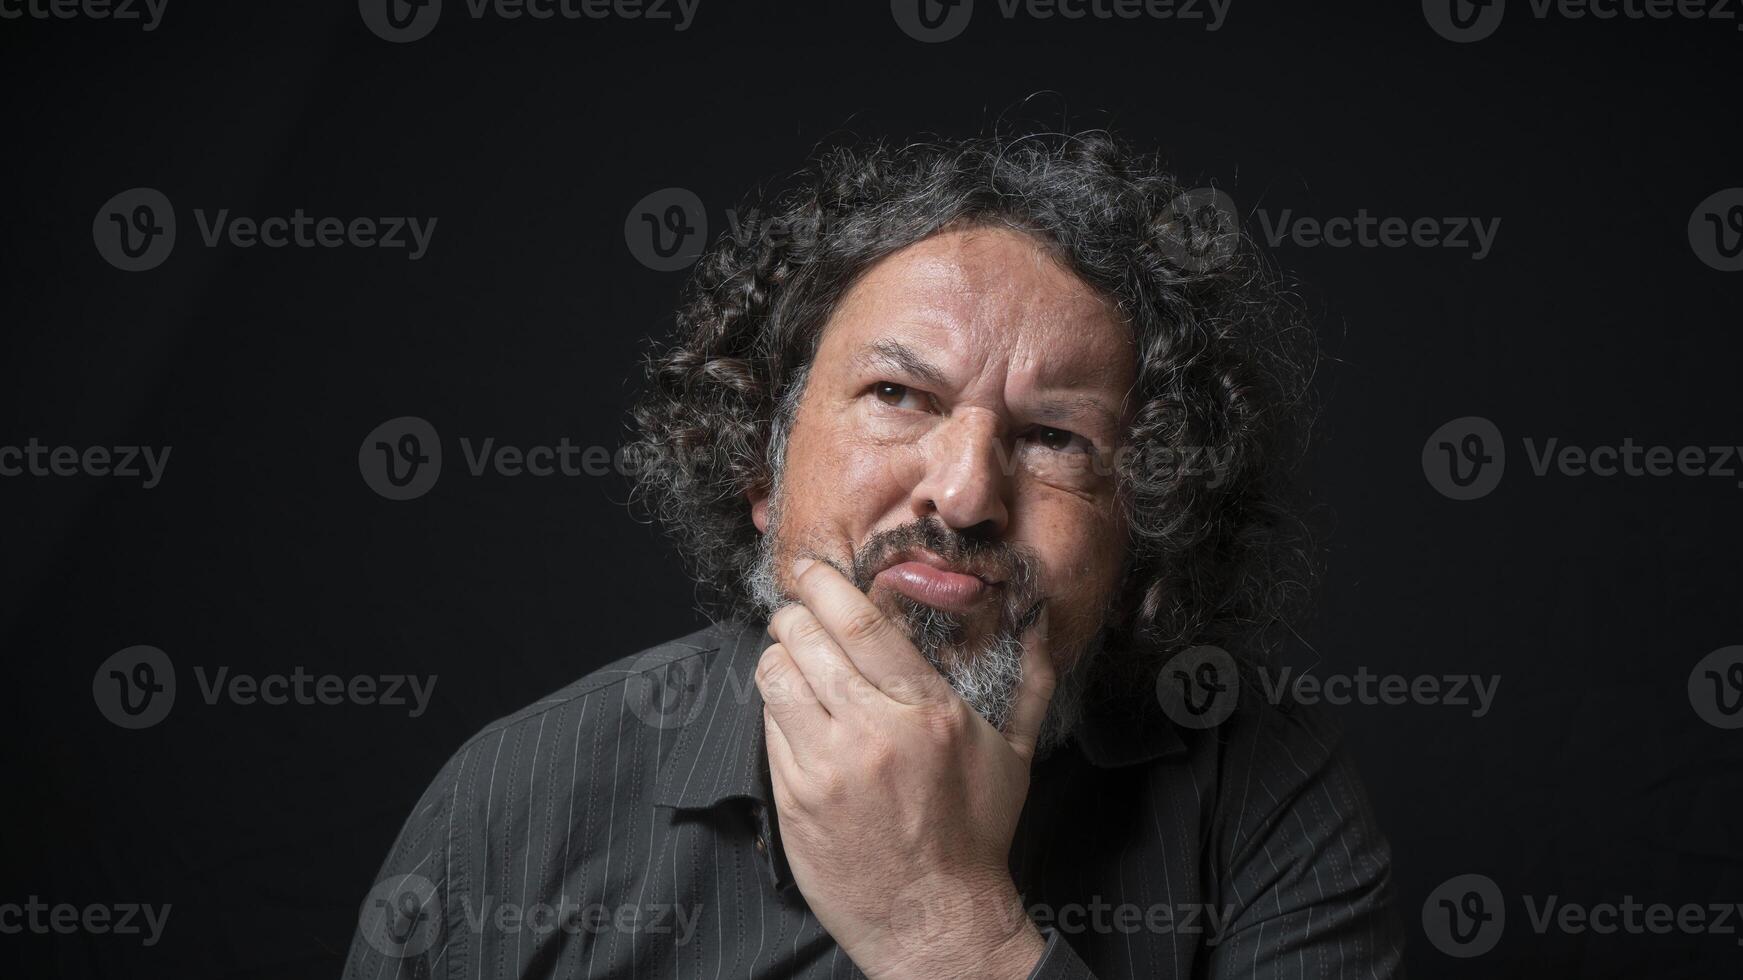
[[980, 295]]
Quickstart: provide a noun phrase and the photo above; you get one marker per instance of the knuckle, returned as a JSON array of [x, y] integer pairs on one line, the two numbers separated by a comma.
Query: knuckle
[[864, 626], [862, 692], [810, 632], [944, 726], [907, 690], [787, 801], [831, 783], [773, 667], [880, 755]]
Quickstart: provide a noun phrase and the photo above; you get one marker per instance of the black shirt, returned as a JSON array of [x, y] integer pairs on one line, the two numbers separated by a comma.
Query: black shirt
[[622, 827]]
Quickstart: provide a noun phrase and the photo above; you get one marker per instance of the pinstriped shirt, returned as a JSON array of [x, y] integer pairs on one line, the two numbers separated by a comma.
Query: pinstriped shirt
[[622, 827]]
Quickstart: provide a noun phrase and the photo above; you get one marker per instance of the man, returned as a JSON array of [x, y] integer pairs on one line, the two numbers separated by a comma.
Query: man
[[980, 445]]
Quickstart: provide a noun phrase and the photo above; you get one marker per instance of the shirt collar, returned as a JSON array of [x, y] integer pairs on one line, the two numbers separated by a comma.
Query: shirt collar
[[720, 752], [1113, 735]]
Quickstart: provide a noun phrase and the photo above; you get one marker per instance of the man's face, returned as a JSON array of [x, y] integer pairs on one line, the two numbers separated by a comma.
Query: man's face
[[950, 452]]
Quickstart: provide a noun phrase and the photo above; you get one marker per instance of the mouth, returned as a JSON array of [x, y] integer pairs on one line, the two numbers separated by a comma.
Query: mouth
[[928, 579]]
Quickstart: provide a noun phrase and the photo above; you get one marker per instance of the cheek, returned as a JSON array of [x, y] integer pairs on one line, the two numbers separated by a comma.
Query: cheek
[[837, 479], [1082, 547], [1082, 537]]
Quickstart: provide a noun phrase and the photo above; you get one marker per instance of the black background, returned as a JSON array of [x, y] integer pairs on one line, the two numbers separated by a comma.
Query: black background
[[263, 549]]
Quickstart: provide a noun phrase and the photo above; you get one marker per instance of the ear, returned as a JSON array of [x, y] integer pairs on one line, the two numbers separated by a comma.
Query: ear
[[759, 508]]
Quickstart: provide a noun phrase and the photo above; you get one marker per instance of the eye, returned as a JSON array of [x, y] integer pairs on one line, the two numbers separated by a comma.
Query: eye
[[901, 396], [1059, 440]]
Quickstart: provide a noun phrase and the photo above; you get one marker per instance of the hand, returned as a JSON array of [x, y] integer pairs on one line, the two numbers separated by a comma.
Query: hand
[[897, 801]]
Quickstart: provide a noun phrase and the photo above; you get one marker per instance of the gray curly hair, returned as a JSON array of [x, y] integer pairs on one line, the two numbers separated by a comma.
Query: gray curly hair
[[1224, 361]]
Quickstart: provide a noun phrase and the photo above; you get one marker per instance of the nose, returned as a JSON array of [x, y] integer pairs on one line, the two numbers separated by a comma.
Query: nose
[[965, 483]]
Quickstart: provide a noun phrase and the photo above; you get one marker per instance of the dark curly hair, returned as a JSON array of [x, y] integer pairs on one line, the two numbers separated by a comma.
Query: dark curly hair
[[1224, 360]]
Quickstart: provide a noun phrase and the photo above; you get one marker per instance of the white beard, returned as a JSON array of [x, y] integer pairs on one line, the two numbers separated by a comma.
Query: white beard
[[985, 676]]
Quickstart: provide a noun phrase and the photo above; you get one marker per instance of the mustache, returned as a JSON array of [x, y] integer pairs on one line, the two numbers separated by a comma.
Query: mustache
[[1016, 568]]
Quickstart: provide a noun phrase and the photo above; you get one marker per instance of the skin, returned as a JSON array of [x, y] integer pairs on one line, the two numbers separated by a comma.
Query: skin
[[897, 802]]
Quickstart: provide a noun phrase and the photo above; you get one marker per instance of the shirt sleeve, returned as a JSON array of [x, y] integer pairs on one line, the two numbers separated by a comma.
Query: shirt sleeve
[[1307, 883], [406, 923], [1058, 960]]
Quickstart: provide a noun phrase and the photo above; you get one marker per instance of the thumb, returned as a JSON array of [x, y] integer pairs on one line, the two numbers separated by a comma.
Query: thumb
[[1035, 692]]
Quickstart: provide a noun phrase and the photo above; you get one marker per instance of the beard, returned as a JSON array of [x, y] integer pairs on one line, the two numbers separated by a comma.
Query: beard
[[984, 670]]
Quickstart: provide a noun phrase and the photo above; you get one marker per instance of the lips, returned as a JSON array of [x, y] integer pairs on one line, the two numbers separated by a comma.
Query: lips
[[926, 578]]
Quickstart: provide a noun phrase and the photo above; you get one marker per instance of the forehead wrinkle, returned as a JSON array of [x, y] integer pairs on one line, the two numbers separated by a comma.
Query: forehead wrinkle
[[997, 293], [982, 278]]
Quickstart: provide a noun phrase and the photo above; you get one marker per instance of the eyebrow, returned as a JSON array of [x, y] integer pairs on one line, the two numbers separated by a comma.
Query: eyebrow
[[895, 354], [1062, 409], [1067, 409]]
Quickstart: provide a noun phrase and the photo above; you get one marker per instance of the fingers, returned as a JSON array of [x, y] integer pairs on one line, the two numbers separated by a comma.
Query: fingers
[[782, 761], [834, 680], [1035, 692], [876, 647], [788, 697]]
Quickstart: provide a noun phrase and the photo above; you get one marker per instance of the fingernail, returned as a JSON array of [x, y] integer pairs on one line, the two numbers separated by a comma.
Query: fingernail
[[800, 565]]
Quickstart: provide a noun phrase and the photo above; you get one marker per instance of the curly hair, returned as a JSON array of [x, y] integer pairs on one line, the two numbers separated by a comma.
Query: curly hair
[[1224, 361]]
